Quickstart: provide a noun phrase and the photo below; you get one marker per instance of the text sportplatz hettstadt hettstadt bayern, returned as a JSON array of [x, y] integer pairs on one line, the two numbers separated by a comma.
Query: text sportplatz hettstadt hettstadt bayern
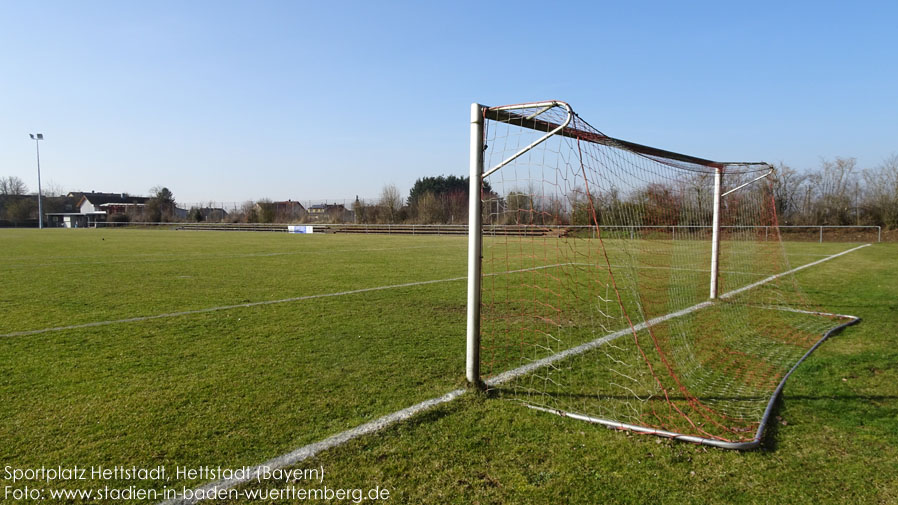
[[50, 474]]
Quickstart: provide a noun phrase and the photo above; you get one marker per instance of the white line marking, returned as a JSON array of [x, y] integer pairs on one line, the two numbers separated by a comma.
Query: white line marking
[[773, 277], [356, 291], [310, 450], [524, 370], [223, 307], [683, 269], [168, 258], [256, 304]]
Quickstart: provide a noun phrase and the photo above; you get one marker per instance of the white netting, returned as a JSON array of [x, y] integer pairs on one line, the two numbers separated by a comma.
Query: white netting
[[587, 237]]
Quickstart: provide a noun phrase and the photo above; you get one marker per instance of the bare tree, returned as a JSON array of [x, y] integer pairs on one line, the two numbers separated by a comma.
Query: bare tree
[[430, 209], [788, 187], [12, 185], [832, 185], [53, 189], [265, 211], [390, 201], [881, 193], [248, 212]]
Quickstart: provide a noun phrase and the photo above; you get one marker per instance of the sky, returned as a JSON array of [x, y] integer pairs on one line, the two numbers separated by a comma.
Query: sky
[[229, 101]]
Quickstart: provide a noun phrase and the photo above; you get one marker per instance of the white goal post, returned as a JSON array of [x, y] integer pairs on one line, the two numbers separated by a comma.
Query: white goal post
[[476, 176]]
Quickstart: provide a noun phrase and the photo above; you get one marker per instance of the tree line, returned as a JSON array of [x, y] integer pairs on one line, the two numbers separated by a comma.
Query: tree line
[[431, 200], [837, 192]]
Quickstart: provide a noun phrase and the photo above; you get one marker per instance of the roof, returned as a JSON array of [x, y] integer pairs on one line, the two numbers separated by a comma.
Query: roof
[[99, 213], [327, 206], [286, 203], [97, 199]]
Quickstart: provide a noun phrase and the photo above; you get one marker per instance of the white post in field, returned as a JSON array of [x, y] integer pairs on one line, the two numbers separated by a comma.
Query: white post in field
[[715, 233], [472, 358]]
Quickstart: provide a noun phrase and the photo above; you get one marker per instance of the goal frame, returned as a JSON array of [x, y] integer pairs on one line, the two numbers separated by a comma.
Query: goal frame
[[479, 115]]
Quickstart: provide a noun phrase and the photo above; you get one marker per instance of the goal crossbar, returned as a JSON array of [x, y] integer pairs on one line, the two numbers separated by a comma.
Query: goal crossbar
[[506, 114]]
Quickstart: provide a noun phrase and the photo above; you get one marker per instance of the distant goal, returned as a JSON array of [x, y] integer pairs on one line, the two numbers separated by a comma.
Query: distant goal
[[639, 288]]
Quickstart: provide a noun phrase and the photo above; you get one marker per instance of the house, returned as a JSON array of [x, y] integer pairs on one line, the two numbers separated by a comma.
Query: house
[[334, 212], [74, 219], [281, 212], [111, 203], [91, 208], [288, 211]]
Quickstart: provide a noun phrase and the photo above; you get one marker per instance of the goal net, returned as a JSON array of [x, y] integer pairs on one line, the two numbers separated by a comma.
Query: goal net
[[611, 290]]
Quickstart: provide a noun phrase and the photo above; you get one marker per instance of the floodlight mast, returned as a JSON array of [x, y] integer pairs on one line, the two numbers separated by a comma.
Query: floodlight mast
[[37, 137]]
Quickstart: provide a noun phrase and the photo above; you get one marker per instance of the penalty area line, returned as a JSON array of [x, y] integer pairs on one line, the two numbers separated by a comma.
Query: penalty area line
[[307, 451]]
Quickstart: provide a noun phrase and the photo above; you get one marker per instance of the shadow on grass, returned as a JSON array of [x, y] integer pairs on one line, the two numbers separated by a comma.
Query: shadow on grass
[[770, 437]]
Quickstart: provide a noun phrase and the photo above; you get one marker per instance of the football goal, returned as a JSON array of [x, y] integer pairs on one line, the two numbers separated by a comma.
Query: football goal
[[627, 285]]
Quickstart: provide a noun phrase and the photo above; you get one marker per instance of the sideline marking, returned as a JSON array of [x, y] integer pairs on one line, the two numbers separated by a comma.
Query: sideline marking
[[256, 304], [307, 451], [167, 258]]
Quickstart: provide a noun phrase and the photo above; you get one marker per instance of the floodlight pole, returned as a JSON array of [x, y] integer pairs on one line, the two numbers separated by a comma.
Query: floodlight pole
[[472, 357], [40, 207], [715, 233]]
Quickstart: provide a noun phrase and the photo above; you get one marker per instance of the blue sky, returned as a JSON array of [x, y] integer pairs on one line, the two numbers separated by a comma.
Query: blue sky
[[230, 101]]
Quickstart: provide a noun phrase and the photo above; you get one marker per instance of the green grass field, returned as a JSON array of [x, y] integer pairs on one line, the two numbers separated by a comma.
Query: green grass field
[[356, 340]]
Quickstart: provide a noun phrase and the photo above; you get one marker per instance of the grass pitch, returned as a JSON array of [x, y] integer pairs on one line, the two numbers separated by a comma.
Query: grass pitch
[[238, 386]]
